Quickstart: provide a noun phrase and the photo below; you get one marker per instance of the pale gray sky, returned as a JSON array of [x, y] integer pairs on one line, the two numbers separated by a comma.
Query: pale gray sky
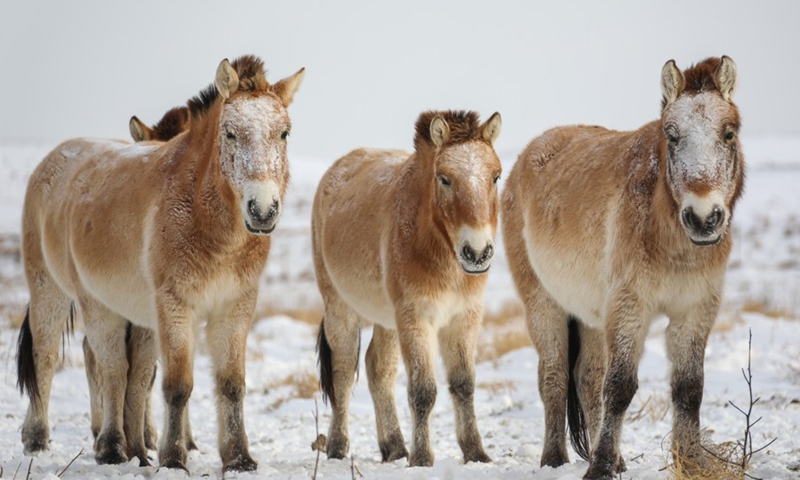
[[82, 68]]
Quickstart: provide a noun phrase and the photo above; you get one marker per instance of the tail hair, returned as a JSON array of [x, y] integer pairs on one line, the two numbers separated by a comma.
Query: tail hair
[[325, 363], [576, 419], [26, 366]]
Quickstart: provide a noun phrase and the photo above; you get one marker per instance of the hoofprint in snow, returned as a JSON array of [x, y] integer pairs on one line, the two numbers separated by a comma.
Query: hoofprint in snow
[[762, 295]]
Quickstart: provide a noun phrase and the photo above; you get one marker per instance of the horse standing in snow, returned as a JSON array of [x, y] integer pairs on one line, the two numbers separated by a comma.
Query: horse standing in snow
[[138, 424], [402, 241], [614, 228], [163, 235]]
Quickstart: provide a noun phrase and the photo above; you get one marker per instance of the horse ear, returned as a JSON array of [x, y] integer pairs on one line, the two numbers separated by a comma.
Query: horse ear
[[286, 88], [227, 81], [725, 76], [440, 131], [491, 129], [139, 131], [672, 83]]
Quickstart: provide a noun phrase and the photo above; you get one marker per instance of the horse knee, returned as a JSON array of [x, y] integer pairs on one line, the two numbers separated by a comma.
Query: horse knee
[[462, 387], [619, 389], [176, 394], [687, 393], [231, 389], [422, 396]]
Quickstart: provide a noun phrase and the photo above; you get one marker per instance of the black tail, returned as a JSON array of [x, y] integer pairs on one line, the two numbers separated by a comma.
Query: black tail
[[26, 368], [325, 362], [576, 419]]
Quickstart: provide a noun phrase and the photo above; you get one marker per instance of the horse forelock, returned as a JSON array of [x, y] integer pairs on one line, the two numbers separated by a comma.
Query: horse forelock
[[464, 126], [701, 76], [252, 78]]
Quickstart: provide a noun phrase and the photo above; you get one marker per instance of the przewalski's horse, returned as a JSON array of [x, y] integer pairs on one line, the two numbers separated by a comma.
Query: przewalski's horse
[[164, 235], [175, 121], [614, 228], [138, 424], [401, 241]]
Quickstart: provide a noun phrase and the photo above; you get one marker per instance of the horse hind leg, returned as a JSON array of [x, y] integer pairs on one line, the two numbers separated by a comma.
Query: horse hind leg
[[586, 376], [106, 332], [457, 347], [142, 355], [382, 362], [338, 348], [95, 389], [37, 354]]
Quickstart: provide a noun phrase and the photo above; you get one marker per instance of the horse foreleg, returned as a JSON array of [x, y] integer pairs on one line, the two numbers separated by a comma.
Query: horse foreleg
[[686, 344], [457, 347], [227, 340], [142, 356], [382, 360], [547, 325], [625, 335], [416, 339], [95, 389], [177, 347]]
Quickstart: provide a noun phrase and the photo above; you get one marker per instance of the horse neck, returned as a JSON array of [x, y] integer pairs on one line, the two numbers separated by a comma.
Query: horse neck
[[213, 200], [429, 235]]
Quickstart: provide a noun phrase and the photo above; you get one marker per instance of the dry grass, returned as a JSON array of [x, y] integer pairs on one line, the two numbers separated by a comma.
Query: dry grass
[[764, 308], [309, 315], [722, 463], [496, 342], [507, 313], [304, 384], [654, 408], [498, 386]]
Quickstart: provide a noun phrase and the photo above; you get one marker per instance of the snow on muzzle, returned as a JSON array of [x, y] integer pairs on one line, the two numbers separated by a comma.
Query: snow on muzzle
[[704, 218], [475, 249], [261, 207]]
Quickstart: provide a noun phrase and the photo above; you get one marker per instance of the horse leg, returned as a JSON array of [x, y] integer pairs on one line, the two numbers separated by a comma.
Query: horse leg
[[150, 430], [142, 356], [457, 347], [625, 335], [547, 326], [686, 343], [590, 372], [382, 360], [416, 341], [227, 340], [95, 389], [187, 429], [339, 334], [106, 334], [176, 337], [37, 357]]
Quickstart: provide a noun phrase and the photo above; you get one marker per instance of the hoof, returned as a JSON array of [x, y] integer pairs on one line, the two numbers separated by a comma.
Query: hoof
[[554, 458], [600, 471], [174, 464], [421, 458], [242, 463], [478, 456], [110, 449], [393, 449], [338, 447], [150, 439], [144, 460], [34, 439]]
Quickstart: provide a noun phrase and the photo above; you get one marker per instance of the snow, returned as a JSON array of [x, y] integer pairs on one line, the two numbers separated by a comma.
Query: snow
[[762, 295]]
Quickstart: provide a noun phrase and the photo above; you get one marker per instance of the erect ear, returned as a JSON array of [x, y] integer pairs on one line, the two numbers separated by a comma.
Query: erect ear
[[286, 88], [725, 76], [440, 131], [491, 129], [227, 81], [139, 131], [672, 83]]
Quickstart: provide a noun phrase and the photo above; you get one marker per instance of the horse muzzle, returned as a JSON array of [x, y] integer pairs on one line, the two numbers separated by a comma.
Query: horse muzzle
[[260, 219], [704, 230], [474, 262]]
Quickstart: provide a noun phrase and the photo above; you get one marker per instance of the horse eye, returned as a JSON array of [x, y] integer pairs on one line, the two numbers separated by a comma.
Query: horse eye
[[729, 136], [230, 135], [445, 181], [496, 179], [285, 135]]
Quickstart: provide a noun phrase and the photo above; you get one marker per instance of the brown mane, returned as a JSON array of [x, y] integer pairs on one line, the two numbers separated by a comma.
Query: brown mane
[[464, 126], [252, 77], [171, 124]]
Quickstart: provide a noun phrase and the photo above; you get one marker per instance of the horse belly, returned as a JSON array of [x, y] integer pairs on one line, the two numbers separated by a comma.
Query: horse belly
[[573, 282], [368, 299], [126, 295]]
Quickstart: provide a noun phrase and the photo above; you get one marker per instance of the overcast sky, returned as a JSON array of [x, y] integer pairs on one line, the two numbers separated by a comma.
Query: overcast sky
[[82, 68]]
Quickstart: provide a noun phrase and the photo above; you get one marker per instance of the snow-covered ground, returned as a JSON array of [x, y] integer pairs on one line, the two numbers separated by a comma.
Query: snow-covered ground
[[762, 295]]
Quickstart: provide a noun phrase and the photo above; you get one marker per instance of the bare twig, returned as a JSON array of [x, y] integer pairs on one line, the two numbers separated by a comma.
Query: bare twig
[[316, 425], [28, 476], [354, 468], [17, 470], [70, 463]]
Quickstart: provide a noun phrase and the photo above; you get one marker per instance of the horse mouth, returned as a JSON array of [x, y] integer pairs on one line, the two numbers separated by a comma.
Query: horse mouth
[[476, 272], [706, 242], [260, 231]]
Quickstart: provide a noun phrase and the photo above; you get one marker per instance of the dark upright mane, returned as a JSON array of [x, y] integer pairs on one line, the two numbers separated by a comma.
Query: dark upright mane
[[701, 76], [171, 124], [252, 77], [464, 126]]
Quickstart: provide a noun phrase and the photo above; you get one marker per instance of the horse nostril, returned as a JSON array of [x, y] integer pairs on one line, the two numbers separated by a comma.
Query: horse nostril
[[690, 219], [714, 220], [468, 254], [252, 208], [273, 209], [488, 252]]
